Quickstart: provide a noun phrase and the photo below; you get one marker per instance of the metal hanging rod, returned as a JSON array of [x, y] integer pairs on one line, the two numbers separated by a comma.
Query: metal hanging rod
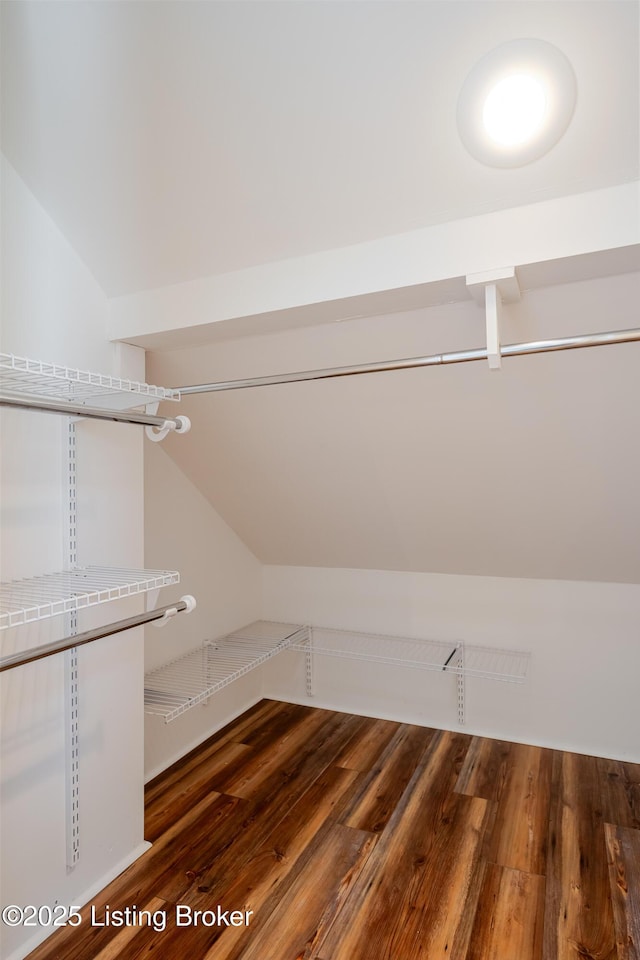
[[179, 424], [186, 603], [459, 356]]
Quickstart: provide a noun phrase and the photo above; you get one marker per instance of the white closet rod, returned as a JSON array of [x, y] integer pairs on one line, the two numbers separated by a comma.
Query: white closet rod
[[187, 604], [459, 356], [96, 413]]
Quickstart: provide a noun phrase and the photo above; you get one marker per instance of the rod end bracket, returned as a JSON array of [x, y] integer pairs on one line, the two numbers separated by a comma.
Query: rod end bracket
[[491, 289]]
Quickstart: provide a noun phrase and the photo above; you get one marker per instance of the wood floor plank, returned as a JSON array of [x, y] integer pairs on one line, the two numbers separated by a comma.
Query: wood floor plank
[[363, 751], [169, 858], [275, 725], [190, 790], [578, 914], [267, 875], [269, 858], [300, 918], [411, 894], [174, 860], [163, 784], [509, 916], [245, 778], [623, 846], [519, 836], [485, 768], [283, 930], [271, 803], [383, 787], [620, 792], [116, 947]]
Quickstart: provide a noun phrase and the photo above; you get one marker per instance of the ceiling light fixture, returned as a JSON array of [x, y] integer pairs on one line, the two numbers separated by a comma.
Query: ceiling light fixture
[[516, 103]]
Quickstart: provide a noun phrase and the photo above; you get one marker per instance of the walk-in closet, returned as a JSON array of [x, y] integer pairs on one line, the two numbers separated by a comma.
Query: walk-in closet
[[320, 480]]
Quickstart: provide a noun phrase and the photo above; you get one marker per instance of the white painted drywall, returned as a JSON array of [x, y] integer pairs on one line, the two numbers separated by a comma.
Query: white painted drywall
[[276, 130], [581, 693], [279, 294], [53, 310], [532, 471], [183, 529]]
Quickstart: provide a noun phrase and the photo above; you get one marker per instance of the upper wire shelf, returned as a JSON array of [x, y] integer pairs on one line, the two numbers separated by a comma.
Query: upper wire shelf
[[38, 598], [22, 377], [454, 657], [191, 679]]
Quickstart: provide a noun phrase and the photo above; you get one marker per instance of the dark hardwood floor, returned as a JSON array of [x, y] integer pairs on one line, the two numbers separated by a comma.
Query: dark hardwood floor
[[357, 839]]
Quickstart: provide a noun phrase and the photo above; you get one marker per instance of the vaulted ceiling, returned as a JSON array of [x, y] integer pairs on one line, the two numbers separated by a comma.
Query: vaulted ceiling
[[175, 140], [238, 175]]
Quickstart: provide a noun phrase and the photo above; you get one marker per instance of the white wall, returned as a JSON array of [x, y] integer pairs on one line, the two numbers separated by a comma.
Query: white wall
[[184, 532], [527, 472], [581, 693], [52, 309], [512, 496]]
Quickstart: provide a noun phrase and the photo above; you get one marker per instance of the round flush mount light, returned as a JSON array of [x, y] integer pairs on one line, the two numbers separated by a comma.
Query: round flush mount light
[[516, 103]]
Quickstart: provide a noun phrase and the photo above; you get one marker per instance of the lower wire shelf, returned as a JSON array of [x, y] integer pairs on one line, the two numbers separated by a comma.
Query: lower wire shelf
[[176, 687]]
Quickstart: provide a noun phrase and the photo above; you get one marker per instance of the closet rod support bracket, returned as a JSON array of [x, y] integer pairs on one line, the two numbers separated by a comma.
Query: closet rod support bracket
[[180, 424], [491, 289], [169, 614]]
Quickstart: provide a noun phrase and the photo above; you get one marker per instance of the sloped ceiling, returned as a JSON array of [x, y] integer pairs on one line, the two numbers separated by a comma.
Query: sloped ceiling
[[175, 140], [179, 146]]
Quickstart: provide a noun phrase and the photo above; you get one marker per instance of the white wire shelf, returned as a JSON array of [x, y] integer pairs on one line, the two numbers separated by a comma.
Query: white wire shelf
[[21, 377], [176, 687], [38, 598], [492, 663], [453, 657]]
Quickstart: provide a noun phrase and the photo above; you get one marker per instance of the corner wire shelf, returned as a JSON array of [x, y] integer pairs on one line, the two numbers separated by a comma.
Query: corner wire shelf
[[490, 663], [21, 377], [38, 598], [176, 687], [462, 659]]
